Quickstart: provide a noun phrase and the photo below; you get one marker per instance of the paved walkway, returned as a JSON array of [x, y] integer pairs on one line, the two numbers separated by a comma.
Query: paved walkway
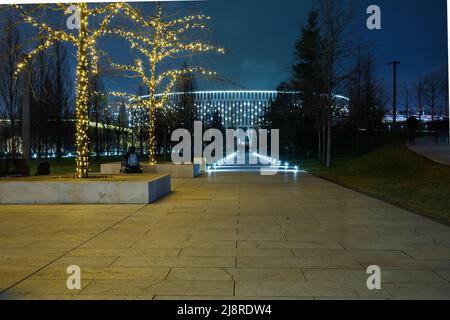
[[427, 147], [226, 236]]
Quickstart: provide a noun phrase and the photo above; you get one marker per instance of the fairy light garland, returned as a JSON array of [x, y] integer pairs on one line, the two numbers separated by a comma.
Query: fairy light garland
[[84, 42], [163, 42]]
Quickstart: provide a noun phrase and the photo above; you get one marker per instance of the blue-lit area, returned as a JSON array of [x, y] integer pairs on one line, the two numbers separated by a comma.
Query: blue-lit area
[[237, 108], [259, 164]]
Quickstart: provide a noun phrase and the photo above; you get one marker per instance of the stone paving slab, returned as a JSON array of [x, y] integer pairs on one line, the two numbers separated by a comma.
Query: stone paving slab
[[65, 189], [226, 236]]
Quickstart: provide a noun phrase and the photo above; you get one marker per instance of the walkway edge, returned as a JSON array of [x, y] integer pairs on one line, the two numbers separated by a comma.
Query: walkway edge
[[395, 204]]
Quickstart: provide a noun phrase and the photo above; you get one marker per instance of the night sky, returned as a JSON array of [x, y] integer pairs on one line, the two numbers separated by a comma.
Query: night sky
[[259, 38]]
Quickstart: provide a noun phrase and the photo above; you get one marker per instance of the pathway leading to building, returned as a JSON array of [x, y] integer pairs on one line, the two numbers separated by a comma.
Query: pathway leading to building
[[429, 148], [226, 236]]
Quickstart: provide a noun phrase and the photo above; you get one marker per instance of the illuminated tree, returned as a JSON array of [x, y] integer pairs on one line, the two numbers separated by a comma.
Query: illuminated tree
[[161, 40], [84, 40]]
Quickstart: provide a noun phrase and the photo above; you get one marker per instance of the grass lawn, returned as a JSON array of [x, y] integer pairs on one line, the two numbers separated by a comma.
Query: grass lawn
[[67, 165], [397, 175]]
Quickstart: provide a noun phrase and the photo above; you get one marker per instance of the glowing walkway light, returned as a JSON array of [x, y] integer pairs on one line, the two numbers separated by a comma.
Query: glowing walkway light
[[224, 165]]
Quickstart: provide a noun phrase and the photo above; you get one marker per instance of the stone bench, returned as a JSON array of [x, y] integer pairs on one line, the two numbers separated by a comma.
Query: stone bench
[[174, 170], [122, 189]]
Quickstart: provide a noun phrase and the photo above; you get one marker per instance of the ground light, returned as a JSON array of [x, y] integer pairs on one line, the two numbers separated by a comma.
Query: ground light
[[228, 164]]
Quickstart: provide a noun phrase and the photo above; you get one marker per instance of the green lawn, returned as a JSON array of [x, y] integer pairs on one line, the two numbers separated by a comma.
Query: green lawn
[[397, 175], [67, 165]]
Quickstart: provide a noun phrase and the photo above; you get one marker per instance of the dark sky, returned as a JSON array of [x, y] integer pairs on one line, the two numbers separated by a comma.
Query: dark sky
[[259, 38]]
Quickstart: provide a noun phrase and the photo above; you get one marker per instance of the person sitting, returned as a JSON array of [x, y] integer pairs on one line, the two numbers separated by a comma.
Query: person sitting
[[130, 162]]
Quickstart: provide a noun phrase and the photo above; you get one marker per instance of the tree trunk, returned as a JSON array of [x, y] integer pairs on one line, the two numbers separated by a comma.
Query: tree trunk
[[319, 142], [324, 140], [58, 139], [328, 162], [97, 132], [358, 139], [151, 132], [107, 142], [82, 119], [165, 144], [141, 140]]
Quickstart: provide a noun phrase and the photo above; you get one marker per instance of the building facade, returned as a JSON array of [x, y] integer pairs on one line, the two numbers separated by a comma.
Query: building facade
[[237, 109]]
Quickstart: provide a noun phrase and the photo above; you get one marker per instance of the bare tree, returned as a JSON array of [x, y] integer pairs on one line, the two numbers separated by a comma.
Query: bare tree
[[140, 119], [366, 106], [40, 69], [122, 124], [163, 40], [186, 85], [432, 92], [420, 95], [98, 103], [62, 91], [85, 44], [335, 19], [443, 88], [406, 99], [10, 96]]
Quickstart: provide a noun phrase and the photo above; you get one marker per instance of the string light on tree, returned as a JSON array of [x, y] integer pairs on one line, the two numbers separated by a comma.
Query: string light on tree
[[84, 41], [162, 39]]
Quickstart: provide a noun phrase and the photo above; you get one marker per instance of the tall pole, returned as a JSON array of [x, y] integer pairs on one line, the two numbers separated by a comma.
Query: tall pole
[[394, 99]]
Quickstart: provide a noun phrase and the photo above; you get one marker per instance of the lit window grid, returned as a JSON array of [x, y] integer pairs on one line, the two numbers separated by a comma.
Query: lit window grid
[[236, 108]]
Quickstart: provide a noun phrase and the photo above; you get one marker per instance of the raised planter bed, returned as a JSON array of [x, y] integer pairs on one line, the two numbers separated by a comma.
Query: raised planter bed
[[138, 189], [174, 170]]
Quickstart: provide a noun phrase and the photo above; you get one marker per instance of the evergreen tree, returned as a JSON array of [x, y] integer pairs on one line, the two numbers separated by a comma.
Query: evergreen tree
[[308, 76], [285, 113]]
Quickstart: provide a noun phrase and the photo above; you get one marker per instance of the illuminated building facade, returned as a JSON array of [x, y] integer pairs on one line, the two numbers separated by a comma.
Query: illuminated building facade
[[237, 109]]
